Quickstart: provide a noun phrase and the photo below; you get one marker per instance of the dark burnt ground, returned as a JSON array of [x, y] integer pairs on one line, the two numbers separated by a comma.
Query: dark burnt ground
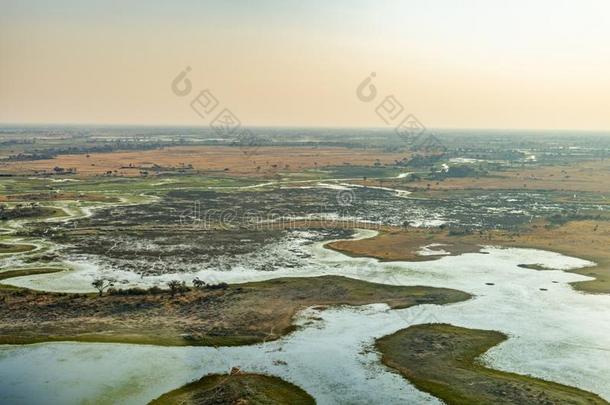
[[189, 230]]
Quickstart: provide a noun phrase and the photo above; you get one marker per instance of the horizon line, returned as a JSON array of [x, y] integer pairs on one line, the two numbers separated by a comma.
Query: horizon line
[[375, 128]]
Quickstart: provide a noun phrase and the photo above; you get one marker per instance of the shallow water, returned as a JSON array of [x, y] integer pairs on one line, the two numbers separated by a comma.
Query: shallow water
[[558, 334], [326, 359]]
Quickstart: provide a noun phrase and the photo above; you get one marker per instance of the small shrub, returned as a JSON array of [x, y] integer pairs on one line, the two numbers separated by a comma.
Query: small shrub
[[154, 290], [128, 291], [199, 284], [219, 286], [459, 232], [176, 286]]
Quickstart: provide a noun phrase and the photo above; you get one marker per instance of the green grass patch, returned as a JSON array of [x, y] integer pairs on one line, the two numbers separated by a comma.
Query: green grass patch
[[443, 360], [15, 248]]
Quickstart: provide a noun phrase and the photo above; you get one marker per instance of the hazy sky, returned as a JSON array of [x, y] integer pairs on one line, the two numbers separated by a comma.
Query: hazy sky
[[451, 63]]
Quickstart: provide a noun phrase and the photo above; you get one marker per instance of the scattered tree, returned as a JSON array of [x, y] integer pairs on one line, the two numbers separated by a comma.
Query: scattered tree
[[100, 284], [176, 286], [199, 284]]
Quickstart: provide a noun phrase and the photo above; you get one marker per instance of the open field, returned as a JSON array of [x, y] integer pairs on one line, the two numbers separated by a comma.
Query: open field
[[584, 239], [405, 245], [223, 159], [235, 315], [238, 388], [443, 360], [590, 176]]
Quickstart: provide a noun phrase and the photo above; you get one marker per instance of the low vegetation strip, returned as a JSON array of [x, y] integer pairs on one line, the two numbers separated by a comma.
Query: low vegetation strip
[[56, 196], [230, 315], [15, 248], [27, 272], [237, 389], [442, 359]]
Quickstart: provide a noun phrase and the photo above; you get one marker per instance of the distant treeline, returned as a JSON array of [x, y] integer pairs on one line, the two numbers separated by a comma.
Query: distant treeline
[[9, 142], [50, 153]]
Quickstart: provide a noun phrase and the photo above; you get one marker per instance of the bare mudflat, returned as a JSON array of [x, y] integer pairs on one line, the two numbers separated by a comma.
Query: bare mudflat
[[406, 245], [585, 239]]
